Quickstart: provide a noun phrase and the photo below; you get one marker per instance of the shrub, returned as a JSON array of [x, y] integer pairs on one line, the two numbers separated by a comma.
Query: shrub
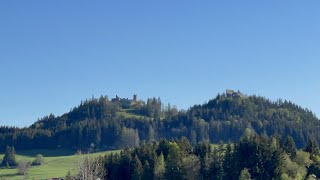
[[38, 160]]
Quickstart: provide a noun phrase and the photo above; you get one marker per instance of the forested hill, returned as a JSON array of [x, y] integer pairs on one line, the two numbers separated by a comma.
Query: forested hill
[[103, 123]]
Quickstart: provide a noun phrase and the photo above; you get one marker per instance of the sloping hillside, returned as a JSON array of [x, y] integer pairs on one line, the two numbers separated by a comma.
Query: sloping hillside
[[57, 163], [101, 123]]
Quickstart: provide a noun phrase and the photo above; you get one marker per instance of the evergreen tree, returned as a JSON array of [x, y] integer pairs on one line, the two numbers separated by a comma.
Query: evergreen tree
[[160, 167], [193, 137], [174, 163], [205, 167], [229, 164], [312, 147], [290, 147], [185, 145], [216, 168], [163, 147], [9, 157], [124, 164], [203, 151], [147, 171], [151, 134], [136, 168], [245, 175]]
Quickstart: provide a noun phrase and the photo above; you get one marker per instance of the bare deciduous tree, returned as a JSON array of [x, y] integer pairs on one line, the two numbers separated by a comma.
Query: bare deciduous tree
[[89, 168], [23, 167]]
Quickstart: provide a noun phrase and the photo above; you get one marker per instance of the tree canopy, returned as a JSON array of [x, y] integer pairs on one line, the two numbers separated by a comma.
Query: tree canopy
[[100, 123]]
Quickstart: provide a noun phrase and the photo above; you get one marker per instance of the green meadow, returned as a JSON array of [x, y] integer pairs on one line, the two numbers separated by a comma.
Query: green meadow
[[57, 163]]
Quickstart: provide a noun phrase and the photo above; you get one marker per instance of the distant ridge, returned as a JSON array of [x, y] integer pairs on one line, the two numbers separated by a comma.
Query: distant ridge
[[100, 123]]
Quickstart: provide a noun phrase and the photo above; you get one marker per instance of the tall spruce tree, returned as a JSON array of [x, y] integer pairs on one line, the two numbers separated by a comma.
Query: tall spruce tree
[[136, 168], [290, 147], [229, 164], [174, 163], [9, 157], [147, 171], [160, 167], [312, 147]]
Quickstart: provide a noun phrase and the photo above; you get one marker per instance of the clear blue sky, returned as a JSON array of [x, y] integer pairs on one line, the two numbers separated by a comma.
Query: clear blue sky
[[53, 54]]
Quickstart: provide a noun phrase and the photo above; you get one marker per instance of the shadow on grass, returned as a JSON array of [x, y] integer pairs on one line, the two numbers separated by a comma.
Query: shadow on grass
[[135, 112], [47, 152], [9, 176]]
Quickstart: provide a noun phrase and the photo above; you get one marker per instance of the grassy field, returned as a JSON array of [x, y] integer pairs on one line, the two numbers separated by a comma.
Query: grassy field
[[57, 163], [129, 113]]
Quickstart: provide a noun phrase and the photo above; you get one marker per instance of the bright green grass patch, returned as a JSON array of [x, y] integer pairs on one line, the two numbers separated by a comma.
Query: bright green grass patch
[[129, 113], [57, 163]]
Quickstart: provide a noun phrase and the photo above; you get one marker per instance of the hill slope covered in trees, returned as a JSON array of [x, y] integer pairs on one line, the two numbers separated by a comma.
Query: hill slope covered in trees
[[100, 123]]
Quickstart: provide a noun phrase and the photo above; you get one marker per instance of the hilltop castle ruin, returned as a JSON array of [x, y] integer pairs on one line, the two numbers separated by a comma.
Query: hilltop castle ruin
[[126, 102], [234, 94]]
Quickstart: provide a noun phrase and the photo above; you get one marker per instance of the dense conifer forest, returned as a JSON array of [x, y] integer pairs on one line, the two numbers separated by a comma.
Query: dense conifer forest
[[103, 123], [253, 157]]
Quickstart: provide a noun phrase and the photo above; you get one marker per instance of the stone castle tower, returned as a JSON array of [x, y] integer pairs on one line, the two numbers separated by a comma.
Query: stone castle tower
[[135, 97]]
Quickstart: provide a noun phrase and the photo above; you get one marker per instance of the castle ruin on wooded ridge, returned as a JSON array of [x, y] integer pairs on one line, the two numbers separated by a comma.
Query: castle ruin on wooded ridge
[[234, 94]]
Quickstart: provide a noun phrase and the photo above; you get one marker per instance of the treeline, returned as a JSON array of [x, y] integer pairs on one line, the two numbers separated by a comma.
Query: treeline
[[253, 157], [100, 123]]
